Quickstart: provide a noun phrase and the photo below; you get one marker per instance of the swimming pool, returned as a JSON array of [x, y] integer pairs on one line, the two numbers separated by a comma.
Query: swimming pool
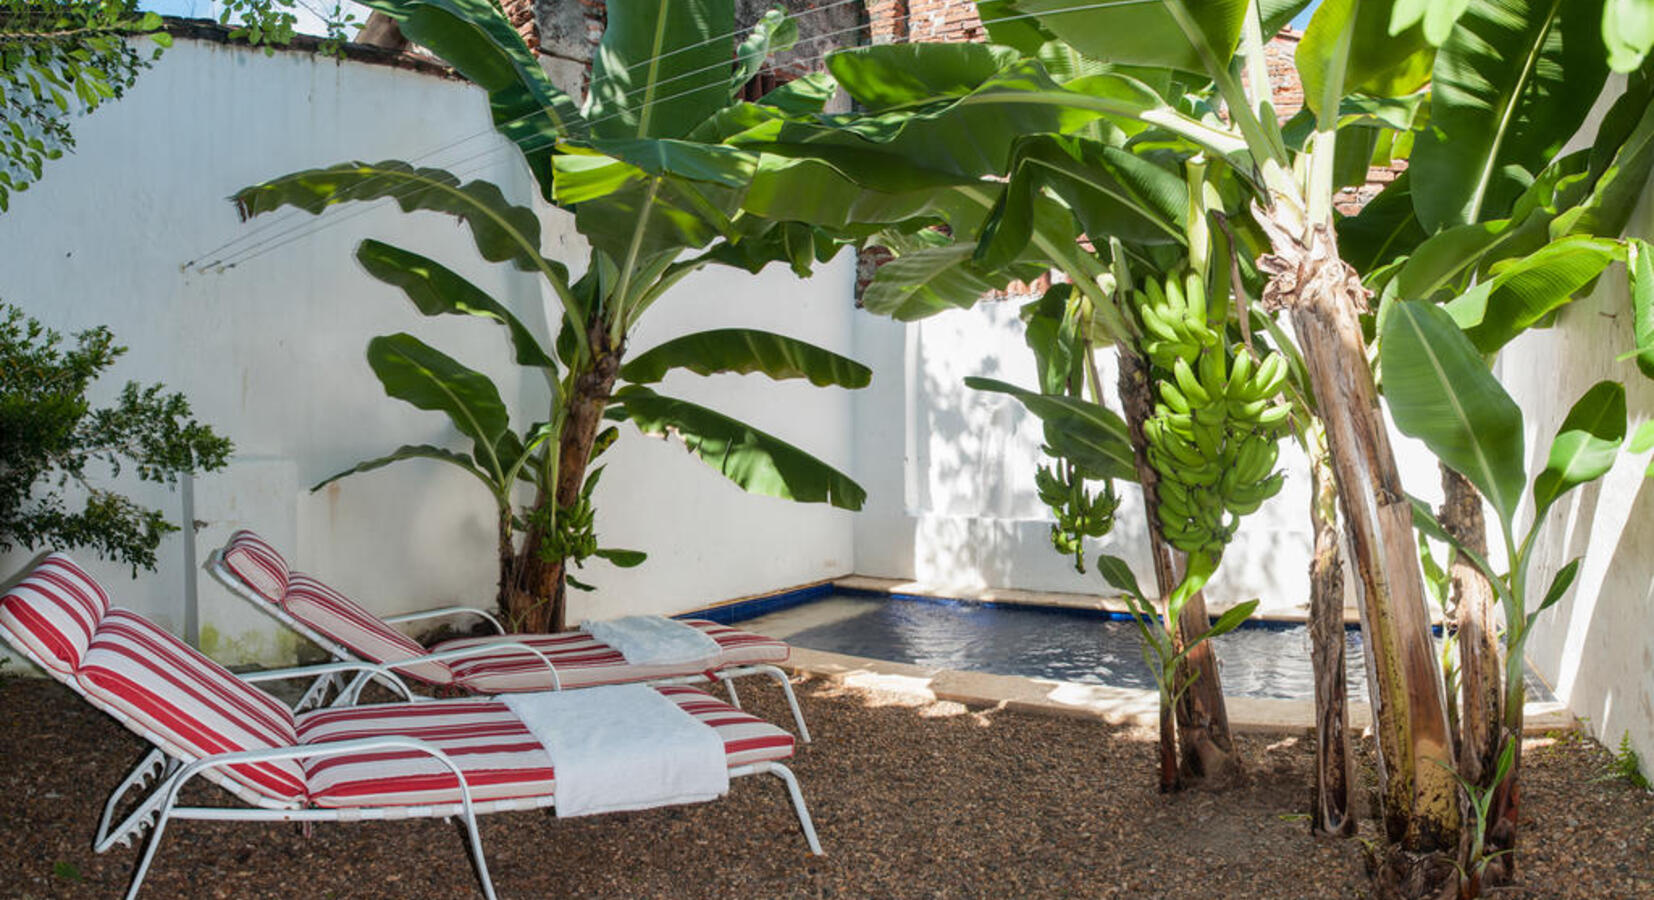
[[1269, 660]]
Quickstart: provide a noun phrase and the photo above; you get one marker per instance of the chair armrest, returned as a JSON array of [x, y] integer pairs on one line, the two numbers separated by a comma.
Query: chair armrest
[[480, 650], [448, 611], [372, 669], [311, 751]]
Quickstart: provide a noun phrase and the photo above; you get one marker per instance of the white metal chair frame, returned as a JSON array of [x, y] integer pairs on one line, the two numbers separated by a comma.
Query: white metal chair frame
[[318, 688], [174, 767]]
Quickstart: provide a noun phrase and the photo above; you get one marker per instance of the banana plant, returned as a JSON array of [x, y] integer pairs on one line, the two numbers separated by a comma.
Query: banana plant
[[1440, 391], [655, 203]]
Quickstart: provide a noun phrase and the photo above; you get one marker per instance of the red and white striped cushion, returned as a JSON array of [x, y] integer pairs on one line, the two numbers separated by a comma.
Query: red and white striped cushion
[[171, 690], [258, 565], [340, 618], [53, 612], [500, 758], [585, 661]]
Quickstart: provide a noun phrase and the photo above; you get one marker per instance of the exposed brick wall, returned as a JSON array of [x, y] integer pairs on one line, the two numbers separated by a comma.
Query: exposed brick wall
[[944, 22], [521, 15]]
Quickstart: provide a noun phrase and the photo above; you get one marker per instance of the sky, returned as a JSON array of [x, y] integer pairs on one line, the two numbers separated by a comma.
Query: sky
[[309, 20]]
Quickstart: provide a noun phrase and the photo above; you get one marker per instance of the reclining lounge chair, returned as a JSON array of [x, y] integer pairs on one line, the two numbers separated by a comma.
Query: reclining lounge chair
[[437, 758], [254, 570]]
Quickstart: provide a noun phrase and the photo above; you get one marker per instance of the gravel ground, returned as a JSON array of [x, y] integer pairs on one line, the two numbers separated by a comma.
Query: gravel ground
[[931, 800]]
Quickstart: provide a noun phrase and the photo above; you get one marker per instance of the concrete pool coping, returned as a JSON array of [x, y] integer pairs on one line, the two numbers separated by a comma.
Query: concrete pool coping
[[1116, 705]]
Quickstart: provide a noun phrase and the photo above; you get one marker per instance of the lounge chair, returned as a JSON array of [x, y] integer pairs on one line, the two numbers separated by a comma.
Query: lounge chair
[[437, 758], [253, 569]]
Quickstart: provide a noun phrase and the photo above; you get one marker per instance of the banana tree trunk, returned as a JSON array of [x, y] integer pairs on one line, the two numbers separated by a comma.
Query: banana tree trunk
[[1416, 761], [1334, 813], [1208, 751], [536, 602], [1481, 701]]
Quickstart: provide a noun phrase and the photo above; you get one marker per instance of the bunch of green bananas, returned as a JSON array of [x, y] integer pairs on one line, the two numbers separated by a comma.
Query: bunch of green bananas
[[1214, 435], [1080, 513]]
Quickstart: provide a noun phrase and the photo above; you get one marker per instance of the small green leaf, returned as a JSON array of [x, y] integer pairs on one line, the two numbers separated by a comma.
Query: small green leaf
[[625, 559], [1639, 264], [744, 351], [1643, 439], [1559, 585], [1118, 574], [1586, 445], [1231, 619]]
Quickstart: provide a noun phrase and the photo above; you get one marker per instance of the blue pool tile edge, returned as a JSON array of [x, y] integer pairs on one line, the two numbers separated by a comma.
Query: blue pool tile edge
[[741, 610]]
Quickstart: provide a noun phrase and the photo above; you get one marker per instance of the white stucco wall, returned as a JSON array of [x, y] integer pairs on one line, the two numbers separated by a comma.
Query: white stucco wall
[[1595, 647], [950, 475], [271, 352]]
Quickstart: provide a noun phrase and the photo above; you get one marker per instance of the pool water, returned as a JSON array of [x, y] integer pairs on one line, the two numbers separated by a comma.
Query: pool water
[[1265, 660]]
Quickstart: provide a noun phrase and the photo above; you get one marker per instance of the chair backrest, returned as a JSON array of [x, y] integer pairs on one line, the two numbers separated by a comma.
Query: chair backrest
[[152, 682], [258, 565], [337, 616], [53, 611], [321, 612]]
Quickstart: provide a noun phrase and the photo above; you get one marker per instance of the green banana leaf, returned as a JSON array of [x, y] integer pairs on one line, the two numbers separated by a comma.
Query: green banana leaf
[[414, 372], [1586, 445], [1446, 260], [775, 32], [1628, 30], [1510, 86], [1440, 391], [1350, 31], [926, 282], [1527, 290], [1091, 437], [1436, 17], [898, 76], [662, 68], [1623, 182], [1111, 191], [413, 451], [1384, 229], [475, 38], [758, 463], [501, 230], [1147, 34], [744, 351], [1639, 262], [437, 290]]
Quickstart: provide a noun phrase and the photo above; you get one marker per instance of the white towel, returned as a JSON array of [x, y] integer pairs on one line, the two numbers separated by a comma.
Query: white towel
[[655, 641], [623, 747]]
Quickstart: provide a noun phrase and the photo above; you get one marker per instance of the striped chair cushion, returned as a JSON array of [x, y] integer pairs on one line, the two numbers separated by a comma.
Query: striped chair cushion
[[53, 612], [500, 758], [337, 616], [585, 661], [258, 565], [190, 702]]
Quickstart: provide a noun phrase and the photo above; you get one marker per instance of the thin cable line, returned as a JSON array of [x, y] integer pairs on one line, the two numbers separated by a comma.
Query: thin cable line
[[311, 227]]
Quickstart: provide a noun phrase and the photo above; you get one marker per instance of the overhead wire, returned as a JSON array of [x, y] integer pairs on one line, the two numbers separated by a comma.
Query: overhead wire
[[311, 226]]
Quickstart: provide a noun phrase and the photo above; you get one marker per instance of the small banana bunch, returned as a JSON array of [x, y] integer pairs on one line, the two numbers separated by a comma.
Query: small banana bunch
[[1214, 436], [1080, 514]]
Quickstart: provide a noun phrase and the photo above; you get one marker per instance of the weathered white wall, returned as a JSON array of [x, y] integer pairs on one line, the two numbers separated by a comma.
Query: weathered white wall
[[270, 352], [1595, 647], [950, 474]]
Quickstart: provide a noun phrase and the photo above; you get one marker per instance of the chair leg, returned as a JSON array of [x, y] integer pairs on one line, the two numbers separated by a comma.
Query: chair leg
[[476, 854], [729, 686], [792, 699], [150, 848], [786, 775]]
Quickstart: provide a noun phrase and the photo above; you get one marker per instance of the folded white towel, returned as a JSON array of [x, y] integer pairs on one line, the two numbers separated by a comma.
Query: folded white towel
[[655, 640], [623, 747]]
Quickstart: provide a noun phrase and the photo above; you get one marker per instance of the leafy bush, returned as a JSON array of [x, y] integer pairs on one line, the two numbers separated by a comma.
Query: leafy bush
[[50, 435]]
